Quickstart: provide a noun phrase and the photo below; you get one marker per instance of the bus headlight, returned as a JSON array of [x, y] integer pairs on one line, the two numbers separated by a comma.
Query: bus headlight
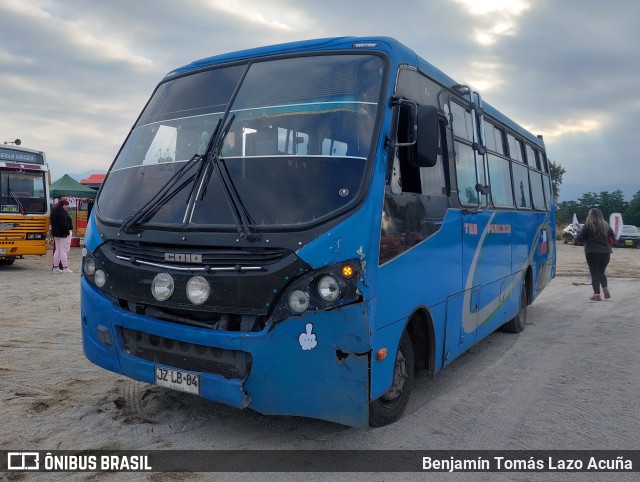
[[89, 266], [100, 278], [31, 236], [323, 289], [328, 288], [198, 290], [298, 301], [92, 269], [162, 286]]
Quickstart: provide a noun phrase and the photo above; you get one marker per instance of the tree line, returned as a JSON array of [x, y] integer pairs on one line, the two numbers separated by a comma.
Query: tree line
[[607, 202]]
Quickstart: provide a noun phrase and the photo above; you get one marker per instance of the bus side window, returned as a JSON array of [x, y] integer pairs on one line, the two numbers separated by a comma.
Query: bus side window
[[433, 179], [500, 175], [532, 158], [404, 167], [515, 149], [466, 174], [537, 189], [521, 185]]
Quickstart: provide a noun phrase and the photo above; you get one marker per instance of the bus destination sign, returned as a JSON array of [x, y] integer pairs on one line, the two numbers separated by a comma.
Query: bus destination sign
[[14, 155]]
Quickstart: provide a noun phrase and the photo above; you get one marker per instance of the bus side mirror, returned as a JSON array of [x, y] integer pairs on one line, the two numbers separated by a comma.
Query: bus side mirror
[[427, 141]]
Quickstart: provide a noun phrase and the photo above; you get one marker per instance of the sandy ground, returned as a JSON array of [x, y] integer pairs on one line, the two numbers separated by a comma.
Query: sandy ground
[[568, 381]]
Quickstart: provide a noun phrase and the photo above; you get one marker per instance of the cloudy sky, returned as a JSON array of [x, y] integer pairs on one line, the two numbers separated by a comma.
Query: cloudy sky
[[74, 74]]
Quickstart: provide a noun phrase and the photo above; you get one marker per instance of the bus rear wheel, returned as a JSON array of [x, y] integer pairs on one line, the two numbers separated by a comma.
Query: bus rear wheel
[[390, 406], [518, 322]]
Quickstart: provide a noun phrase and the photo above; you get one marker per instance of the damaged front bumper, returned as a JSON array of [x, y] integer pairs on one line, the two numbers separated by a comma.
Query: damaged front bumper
[[315, 365]]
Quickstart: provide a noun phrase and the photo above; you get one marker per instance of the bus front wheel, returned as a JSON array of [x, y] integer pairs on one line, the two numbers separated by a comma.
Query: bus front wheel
[[7, 261], [517, 324], [390, 406]]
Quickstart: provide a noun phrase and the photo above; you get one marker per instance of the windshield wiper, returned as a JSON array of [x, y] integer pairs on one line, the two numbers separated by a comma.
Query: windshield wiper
[[242, 218], [211, 156], [246, 229], [13, 194], [165, 193]]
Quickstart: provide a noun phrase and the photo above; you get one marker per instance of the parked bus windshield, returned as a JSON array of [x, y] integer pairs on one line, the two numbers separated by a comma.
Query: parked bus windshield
[[298, 141], [22, 191]]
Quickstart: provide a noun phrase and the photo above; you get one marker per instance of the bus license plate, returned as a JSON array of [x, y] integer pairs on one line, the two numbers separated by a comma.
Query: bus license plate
[[178, 380]]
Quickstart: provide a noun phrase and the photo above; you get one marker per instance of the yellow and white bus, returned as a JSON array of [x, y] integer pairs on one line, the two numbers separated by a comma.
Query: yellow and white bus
[[24, 203]]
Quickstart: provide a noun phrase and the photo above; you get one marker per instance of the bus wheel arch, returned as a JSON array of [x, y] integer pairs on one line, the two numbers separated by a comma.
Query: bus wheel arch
[[518, 323], [415, 351], [420, 328], [390, 406]]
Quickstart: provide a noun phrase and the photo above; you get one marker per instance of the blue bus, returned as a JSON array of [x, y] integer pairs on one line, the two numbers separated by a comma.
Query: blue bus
[[297, 229]]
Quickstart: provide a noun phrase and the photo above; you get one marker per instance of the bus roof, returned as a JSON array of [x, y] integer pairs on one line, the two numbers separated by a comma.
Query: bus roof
[[400, 52]]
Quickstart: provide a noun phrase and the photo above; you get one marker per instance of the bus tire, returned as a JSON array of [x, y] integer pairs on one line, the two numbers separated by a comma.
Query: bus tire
[[7, 261], [518, 322], [390, 406]]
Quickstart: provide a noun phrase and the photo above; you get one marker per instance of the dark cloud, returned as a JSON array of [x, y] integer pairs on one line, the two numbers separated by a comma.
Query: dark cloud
[[75, 74], [577, 62]]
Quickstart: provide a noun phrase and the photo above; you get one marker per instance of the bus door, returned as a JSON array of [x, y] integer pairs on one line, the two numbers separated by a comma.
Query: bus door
[[462, 315], [487, 281], [463, 308]]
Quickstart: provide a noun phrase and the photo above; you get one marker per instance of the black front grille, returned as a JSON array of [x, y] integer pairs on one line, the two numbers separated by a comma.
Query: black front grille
[[210, 256], [186, 356], [235, 290]]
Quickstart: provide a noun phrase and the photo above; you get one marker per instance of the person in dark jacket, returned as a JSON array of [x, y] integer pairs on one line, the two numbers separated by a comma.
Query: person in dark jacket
[[61, 228], [595, 234], [61, 198]]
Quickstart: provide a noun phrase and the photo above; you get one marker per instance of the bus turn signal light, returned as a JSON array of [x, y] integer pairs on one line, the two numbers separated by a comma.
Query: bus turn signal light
[[347, 271], [382, 354]]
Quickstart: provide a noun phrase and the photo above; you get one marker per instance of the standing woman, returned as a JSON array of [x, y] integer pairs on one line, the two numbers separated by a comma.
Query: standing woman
[[596, 234], [61, 228]]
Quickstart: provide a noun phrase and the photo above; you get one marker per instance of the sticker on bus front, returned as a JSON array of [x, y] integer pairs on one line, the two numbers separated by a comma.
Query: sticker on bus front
[[308, 340]]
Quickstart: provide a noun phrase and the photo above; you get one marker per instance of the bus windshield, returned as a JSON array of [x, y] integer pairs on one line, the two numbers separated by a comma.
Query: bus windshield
[[22, 192], [296, 149]]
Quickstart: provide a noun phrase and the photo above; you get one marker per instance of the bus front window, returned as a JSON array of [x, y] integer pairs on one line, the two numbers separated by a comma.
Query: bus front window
[[295, 152], [24, 190]]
